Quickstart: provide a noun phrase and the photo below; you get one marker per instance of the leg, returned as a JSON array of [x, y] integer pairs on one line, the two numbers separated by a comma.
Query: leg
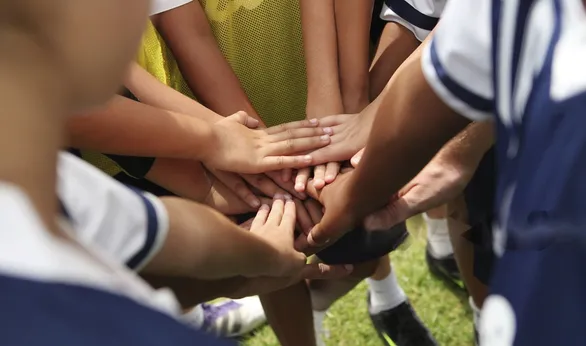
[[289, 313]]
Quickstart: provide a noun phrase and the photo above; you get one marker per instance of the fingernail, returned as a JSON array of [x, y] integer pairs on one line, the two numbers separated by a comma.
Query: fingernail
[[325, 138], [348, 267], [299, 187], [313, 121], [265, 207], [288, 197], [307, 158], [279, 196], [330, 177], [328, 130], [255, 203], [356, 160]]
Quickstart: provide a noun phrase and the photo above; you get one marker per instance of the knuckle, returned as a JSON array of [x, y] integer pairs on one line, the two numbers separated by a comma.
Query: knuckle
[[289, 144]]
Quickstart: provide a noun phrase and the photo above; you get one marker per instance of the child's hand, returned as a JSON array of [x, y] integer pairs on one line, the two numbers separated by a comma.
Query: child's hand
[[276, 225], [237, 148], [322, 175]]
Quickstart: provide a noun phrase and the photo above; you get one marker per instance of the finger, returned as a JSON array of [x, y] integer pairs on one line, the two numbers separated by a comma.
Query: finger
[[239, 187], [289, 216], [288, 186], [260, 218], [356, 158], [243, 118], [321, 271], [336, 151], [265, 185], [319, 173], [248, 223], [315, 210], [276, 163], [296, 145], [332, 170], [303, 217], [277, 211], [299, 133], [292, 125], [301, 179], [333, 120], [286, 174], [312, 191]]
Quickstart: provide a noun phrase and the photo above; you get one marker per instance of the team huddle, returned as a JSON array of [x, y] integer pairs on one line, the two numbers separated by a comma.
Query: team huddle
[[158, 155]]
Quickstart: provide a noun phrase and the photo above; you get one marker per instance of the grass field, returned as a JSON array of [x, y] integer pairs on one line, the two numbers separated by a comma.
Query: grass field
[[444, 311]]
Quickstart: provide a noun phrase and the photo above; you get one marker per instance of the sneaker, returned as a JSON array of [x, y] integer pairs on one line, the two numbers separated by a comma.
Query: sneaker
[[400, 326], [230, 318], [444, 268]]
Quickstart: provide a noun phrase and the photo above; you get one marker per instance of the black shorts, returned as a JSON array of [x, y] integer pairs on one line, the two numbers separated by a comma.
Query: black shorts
[[479, 196]]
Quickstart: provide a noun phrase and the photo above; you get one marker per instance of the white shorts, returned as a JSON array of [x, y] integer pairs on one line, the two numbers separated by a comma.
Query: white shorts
[[419, 16], [127, 225]]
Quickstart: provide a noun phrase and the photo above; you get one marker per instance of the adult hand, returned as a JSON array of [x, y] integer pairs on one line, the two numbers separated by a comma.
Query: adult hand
[[239, 149], [442, 180]]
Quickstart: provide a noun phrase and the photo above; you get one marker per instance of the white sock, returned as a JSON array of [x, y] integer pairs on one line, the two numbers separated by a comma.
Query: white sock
[[318, 326], [194, 317], [385, 294], [438, 237]]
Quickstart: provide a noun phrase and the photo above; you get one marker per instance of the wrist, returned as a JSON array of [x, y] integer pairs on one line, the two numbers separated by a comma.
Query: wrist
[[204, 141]]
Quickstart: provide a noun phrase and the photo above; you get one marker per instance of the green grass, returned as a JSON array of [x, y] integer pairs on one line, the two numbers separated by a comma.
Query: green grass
[[443, 310]]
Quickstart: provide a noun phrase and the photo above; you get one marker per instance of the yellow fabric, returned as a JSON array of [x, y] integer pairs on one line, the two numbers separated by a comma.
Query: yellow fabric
[[262, 41]]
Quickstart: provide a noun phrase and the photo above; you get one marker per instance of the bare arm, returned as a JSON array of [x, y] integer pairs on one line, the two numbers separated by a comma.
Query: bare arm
[[127, 127], [353, 27], [321, 58], [154, 93], [204, 243], [188, 34], [401, 135]]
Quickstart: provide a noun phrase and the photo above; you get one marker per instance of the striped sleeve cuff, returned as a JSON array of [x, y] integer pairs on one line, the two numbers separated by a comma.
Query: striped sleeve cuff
[[160, 6], [408, 14], [157, 227], [459, 98]]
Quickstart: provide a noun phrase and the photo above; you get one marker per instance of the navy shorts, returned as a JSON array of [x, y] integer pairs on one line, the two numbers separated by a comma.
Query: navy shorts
[[479, 196]]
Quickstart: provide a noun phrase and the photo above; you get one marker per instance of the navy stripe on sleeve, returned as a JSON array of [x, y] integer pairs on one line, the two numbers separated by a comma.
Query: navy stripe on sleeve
[[152, 230], [404, 10], [473, 100]]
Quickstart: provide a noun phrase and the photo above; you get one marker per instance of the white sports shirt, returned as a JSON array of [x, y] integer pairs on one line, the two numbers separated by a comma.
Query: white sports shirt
[[418, 16], [160, 6]]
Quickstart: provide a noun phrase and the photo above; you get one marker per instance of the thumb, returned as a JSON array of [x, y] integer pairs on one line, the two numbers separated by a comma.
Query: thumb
[[395, 212], [355, 160], [243, 118]]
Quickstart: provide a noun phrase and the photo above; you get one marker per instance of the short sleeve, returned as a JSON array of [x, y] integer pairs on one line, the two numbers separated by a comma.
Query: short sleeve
[[418, 16], [126, 224], [160, 6], [457, 62]]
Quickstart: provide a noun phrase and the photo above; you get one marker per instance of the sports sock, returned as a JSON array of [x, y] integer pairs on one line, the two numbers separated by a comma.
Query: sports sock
[[385, 294], [438, 237]]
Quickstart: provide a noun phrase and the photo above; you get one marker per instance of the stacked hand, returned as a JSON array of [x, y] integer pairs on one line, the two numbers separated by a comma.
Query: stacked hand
[[277, 225], [245, 150]]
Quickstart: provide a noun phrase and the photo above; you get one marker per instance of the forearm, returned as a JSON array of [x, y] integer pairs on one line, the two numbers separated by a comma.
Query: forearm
[[411, 125], [126, 127], [321, 58], [395, 45], [469, 146], [353, 29], [154, 93], [184, 178], [203, 243], [187, 32]]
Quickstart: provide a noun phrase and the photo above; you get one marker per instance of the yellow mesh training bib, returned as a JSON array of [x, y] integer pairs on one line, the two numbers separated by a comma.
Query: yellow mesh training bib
[[262, 42]]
